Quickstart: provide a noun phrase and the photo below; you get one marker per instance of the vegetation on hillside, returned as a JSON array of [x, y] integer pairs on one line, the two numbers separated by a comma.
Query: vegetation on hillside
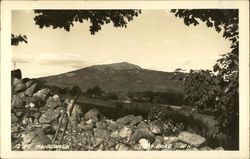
[[218, 89]]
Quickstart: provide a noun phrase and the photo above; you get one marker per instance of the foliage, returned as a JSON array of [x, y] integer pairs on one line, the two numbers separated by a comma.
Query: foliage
[[222, 85], [65, 18], [16, 39], [96, 91], [201, 88], [74, 90]]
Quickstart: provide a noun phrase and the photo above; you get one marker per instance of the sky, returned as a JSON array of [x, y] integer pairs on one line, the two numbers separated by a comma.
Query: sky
[[155, 40]]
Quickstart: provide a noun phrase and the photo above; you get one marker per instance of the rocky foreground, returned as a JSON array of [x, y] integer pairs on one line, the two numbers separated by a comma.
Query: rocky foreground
[[41, 120]]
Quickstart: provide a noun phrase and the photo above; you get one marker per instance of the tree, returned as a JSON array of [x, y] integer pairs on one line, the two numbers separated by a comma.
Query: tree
[[74, 90], [96, 91], [65, 18], [222, 84], [16, 39]]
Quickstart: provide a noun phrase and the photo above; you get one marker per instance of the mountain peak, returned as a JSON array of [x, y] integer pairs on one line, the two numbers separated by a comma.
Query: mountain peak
[[120, 65]]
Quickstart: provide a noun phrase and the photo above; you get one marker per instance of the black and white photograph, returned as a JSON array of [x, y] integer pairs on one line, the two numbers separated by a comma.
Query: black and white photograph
[[125, 79]]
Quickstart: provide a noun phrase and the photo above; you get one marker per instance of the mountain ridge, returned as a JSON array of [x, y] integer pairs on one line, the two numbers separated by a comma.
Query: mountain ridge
[[116, 77]]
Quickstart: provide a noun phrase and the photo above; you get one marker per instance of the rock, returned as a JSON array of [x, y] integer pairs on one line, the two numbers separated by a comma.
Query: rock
[[139, 133], [31, 105], [190, 138], [14, 128], [49, 116], [14, 119], [25, 121], [37, 101], [115, 134], [67, 101], [16, 74], [158, 142], [100, 124], [75, 117], [125, 132], [34, 141], [29, 92], [93, 114], [219, 149], [17, 102], [206, 148], [136, 120], [19, 86], [19, 113], [125, 120], [144, 126], [42, 94], [155, 128], [101, 133], [144, 143], [88, 126], [170, 139], [36, 115], [51, 137], [49, 130], [111, 125], [53, 102], [121, 147], [29, 83]]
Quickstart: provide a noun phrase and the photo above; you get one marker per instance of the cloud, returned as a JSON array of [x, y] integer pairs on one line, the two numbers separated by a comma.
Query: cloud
[[21, 59], [63, 59]]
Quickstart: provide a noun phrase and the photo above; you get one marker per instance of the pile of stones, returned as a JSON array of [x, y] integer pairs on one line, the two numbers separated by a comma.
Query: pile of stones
[[38, 122]]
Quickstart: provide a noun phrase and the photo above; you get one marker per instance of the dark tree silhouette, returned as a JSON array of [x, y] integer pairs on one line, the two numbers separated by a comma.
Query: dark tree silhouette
[[65, 18], [220, 87], [16, 39]]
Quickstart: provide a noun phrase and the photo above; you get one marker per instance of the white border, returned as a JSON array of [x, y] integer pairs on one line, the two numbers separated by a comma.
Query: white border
[[6, 8]]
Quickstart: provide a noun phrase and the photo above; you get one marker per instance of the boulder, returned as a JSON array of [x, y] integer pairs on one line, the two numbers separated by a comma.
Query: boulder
[[158, 142], [75, 117], [111, 125], [35, 141], [16, 74], [53, 102], [37, 101], [139, 133], [48, 130], [14, 119], [170, 139], [125, 132], [192, 139], [42, 94], [144, 143], [125, 120], [87, 126], [29, 83], [19, 86], [122, 147], [206, 148], [17, 102], [136, 120], [154, 128], [93, 114], [101, 133], [144, 126], [100, 124], [19, 113], [29, 92], [49, 116]]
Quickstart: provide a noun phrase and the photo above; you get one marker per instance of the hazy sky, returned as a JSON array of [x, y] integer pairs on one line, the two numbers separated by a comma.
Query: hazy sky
[[156, 40]]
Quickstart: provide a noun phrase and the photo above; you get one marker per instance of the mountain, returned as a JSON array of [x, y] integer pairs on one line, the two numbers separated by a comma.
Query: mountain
[[117, 77]]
